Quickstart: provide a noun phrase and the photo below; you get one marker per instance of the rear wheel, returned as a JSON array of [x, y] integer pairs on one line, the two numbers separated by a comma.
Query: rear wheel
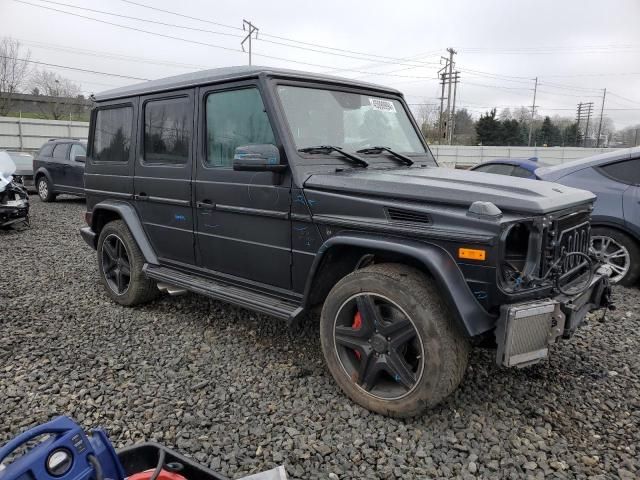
[[618, 251], [120, 263], [390, 342], [45, 190]]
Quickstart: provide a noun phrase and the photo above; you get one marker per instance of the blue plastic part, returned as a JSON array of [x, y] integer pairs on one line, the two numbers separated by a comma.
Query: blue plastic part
[[67, 436]]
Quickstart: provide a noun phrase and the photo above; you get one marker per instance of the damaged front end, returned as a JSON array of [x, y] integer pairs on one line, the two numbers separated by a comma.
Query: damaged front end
[[14, 199]]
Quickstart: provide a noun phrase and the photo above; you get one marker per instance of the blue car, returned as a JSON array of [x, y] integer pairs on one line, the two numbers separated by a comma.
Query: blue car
[[514, 167], [615, 179]]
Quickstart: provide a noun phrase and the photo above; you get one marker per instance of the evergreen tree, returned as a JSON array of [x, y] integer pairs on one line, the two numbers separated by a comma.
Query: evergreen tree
[[512, 133], [489, 129], [549, 134]]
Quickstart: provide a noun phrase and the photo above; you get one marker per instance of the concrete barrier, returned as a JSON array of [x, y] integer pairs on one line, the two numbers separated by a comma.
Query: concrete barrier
[[463, 156], [28, 134]]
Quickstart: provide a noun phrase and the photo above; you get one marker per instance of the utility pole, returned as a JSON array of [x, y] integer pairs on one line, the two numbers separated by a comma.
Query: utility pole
[[584, 113], [452, 52], [604, 95], [453, 110], [533, 111], [440, 118], [247, 26]]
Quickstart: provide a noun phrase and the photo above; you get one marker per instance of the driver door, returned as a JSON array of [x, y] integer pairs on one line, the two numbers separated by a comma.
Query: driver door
[[242, 218]]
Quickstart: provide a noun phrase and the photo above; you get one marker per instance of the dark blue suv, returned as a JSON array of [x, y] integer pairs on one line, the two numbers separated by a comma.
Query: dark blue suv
[[59, 168]]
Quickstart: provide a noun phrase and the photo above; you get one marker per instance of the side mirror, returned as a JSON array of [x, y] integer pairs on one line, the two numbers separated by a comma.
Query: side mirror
[[258, 158], [81, 158]]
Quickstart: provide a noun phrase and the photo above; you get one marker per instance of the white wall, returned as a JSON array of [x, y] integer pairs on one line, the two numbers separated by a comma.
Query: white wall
[[29, 134], [467, 156]]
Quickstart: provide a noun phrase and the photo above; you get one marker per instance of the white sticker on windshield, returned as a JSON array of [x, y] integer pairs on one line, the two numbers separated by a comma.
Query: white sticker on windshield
[[382, 105]]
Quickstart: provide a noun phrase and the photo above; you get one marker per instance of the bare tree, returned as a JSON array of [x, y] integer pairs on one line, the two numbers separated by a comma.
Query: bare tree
[[14, 70], [64, 94]]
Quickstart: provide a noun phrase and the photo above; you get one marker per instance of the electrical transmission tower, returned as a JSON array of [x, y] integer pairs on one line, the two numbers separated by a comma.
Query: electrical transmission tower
[[247, 26], [584, 113], [450, 79]]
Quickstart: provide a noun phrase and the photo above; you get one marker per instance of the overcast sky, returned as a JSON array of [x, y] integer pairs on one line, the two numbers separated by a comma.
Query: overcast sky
[[576, 48]]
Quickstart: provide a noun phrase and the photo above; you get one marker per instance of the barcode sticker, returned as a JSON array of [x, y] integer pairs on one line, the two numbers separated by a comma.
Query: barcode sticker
[[382, 105]]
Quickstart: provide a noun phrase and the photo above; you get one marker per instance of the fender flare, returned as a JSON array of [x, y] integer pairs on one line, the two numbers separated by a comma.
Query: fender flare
[[130, 217], [45, 172], [616, 224], [472, 317]]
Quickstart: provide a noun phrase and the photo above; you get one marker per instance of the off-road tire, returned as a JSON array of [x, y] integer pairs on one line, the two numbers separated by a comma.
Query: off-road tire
[[141, 289], [633, 274], [46, 192], [445, 346]]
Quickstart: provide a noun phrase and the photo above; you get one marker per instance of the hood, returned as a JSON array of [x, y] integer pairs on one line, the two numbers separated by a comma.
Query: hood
[[458, 187], [7, 169]]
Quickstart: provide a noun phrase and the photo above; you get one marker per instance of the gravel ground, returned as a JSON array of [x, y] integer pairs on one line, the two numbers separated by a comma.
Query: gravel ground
[[240, 393]]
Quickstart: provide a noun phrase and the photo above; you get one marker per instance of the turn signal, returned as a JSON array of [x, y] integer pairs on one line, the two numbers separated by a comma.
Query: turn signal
[[472, 254]]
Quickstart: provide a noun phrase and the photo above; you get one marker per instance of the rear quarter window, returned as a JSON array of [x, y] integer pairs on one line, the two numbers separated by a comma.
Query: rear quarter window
[[627, 171], [112, 134]]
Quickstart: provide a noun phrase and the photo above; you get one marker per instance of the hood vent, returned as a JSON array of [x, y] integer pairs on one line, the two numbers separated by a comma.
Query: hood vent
[[408, 216]]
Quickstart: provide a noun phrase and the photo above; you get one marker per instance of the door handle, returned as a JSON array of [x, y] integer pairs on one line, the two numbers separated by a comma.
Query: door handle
[[141, 196], [206, 203]]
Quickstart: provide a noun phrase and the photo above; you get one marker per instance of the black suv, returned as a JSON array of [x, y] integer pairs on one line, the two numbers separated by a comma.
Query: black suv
[[59, 168], [282, 191]]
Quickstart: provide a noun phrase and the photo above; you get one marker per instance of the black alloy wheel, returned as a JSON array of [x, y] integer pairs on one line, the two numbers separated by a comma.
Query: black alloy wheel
[[115, 264], [378, 346]]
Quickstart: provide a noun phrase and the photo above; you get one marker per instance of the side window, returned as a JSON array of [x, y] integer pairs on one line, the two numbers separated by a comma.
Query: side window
[[112, 136], [521, 172], [627, 171], [76, 150], [497, 168], [60, 151], [167, 131], [235, 118], [46, 150]]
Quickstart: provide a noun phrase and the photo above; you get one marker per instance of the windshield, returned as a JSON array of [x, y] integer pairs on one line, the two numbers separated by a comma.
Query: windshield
[[350, 121]]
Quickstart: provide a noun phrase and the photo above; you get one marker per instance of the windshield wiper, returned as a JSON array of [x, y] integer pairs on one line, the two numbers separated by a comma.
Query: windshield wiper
[[356, 160], [373, 150]]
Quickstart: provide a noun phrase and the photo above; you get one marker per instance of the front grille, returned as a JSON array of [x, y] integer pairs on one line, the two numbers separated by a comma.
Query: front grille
[[566, 235]]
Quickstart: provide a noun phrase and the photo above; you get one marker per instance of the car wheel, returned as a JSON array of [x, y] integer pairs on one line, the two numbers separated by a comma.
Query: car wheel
[[619, 251], [120, 264], [45, 192], [390, 342]]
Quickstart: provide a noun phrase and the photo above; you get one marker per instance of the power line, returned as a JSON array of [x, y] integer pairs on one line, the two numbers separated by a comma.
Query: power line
[[77, 69], [264, 34], [196, 42], [202, 30], [114, 56]]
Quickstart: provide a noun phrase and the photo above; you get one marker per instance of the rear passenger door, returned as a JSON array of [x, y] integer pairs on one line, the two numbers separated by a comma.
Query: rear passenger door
[[58, 164], [162, 181]]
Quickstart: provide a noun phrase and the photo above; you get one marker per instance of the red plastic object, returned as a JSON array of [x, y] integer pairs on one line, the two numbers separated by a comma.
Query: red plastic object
[[164, 475]]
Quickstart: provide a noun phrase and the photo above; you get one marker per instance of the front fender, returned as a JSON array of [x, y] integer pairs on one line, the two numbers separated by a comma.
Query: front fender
[[472, 317], [129, 215]]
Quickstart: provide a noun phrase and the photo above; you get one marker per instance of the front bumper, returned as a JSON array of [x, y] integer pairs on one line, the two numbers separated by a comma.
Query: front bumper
[[89, 236], [15, 211], [525, 330]]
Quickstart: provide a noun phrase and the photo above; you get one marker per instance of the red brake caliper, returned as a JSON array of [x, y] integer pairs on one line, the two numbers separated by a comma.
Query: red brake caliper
[[357, 323]]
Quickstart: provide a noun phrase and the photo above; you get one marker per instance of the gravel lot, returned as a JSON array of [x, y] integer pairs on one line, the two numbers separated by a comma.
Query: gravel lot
[[241, 393]]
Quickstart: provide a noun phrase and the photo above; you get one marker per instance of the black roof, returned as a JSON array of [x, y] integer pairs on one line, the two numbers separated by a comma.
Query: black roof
[[225, 74]]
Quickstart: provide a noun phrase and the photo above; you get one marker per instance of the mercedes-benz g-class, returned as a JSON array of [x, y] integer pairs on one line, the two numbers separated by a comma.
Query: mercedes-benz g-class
[[282, 191]]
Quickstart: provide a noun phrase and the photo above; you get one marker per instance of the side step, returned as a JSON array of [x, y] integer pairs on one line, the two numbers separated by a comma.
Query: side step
[[274, 306]]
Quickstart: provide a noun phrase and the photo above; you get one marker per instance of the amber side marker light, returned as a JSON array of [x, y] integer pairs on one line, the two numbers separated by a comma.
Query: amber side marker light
[[472, 254]]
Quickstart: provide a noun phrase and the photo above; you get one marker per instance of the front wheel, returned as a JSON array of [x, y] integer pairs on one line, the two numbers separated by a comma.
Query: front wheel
[[618, 251], [390, 342]]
